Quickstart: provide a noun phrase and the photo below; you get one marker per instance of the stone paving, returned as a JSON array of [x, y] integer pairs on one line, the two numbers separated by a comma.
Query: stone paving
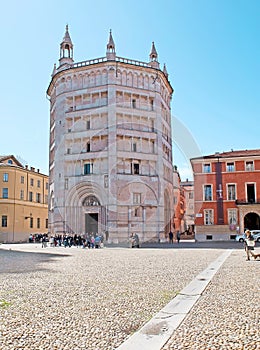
[[226, 317], [95, 299]]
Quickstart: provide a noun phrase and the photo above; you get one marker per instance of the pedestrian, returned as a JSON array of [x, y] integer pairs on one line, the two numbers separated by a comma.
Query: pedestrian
[[136, 239], [178, 236], [249, 244], [170, 237]]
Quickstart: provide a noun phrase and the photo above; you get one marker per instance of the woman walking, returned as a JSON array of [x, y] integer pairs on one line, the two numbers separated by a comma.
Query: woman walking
[[249, 244]]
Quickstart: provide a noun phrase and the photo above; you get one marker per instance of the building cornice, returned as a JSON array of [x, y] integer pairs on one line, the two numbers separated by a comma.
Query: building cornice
[[118, 62]]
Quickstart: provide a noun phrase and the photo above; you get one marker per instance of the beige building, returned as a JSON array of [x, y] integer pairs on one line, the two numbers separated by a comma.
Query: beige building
[[110, 146], [23, 201]]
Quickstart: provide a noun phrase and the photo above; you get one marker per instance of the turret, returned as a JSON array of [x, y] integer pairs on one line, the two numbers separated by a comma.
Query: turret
[[165, 71], [66, 49], [154, 57], [111, 53], [54, 70]]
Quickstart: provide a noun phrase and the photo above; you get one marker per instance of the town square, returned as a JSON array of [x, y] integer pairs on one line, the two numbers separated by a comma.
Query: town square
[[129, 175], [74, 298]]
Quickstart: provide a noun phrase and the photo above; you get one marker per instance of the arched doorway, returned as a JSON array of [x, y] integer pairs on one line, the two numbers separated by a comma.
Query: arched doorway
[[252, 221], [92, 215]]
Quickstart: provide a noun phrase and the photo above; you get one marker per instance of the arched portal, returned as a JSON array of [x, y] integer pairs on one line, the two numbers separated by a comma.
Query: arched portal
[[92, 216], [252, 221]]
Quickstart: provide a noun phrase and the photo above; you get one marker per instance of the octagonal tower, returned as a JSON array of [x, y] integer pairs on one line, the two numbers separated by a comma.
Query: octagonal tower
[[110, 146]]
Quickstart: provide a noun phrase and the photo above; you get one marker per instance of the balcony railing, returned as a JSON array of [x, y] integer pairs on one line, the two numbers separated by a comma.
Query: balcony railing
[[105, 59], [247, 201]]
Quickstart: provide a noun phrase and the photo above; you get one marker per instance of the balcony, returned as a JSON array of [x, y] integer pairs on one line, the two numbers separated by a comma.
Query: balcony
[[247, 201]]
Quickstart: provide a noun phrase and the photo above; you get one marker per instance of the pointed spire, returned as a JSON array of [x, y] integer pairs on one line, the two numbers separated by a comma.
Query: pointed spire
[[153, 54], [154, 57], [111, 44], [165, 71], [54, 70], [66, 48], [66, 38], [111, 53]]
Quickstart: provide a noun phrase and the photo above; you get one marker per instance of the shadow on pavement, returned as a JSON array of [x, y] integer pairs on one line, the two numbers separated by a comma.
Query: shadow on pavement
[[12, 261], [197, 245]]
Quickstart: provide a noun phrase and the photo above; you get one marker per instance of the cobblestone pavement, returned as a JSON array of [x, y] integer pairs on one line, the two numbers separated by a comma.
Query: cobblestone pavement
[[226, 317], [95, 299]]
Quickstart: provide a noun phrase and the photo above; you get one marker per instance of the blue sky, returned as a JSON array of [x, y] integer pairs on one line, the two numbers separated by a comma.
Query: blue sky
[[211, 49]]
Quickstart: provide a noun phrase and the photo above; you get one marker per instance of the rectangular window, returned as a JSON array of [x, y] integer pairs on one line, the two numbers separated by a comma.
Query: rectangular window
[[87, 169], [68, 151], [208, 192], [151, 104], [230, 167], [251, 193], [22, 194], [208, 217], [38, 197], [38, 222], [38, 183], [5, 193], [66, 185], [46, 223], [106, 181], [46, 199], [134, 103], [88, 147], [206, 168], [46, 186], [88, 124], [136, 212], [5, 177], [232, 216], [31, 182], [22, 179], [4, 220], [136, 168], [190, 195], [134, 147], [231, 195], [136, 198], [30, 196], [31, 222], [250, 166], [153, 147]]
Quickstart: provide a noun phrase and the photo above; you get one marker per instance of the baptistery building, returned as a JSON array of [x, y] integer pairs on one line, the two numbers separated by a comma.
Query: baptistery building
[[110, 156]]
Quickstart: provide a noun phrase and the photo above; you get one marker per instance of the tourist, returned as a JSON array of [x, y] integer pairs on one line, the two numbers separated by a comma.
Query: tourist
[[249, 244]]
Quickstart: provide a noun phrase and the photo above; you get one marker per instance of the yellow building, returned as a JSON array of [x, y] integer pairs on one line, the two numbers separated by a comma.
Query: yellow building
[[23, 201]]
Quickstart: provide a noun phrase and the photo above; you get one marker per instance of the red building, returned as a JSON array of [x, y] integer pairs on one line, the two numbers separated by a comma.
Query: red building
[[226, 194]]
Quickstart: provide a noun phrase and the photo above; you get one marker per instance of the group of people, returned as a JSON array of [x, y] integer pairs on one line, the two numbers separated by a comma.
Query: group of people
[[92, 240], [178, 236], [134, 240]]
